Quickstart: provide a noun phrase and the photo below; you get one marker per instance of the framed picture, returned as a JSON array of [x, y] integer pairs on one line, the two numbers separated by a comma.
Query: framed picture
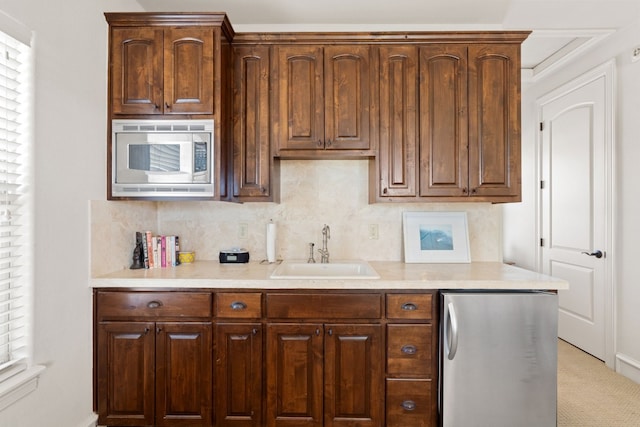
[[436, 237]]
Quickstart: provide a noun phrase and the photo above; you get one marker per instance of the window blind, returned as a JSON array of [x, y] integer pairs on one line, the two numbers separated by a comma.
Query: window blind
[[13, 206]]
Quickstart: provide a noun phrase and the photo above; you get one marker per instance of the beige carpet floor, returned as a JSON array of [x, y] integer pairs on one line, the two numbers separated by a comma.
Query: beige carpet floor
[[592, 395]]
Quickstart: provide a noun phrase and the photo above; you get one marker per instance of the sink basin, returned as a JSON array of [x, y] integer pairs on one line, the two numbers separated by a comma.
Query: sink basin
[[334, 270]]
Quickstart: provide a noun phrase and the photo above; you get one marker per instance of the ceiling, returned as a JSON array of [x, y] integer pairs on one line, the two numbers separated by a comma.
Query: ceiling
[[562, 29]]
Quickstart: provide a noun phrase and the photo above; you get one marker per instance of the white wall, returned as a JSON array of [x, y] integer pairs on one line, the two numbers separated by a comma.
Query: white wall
[[520, 243], [70, 115]]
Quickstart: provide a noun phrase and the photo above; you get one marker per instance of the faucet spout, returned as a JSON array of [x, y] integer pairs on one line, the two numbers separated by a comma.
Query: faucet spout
[[324, 252]]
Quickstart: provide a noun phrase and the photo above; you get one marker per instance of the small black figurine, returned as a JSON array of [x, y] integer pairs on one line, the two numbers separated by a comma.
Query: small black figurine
[[138, 260]]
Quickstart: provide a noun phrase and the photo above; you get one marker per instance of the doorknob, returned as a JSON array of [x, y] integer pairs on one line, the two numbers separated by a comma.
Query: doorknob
[[598, 254]]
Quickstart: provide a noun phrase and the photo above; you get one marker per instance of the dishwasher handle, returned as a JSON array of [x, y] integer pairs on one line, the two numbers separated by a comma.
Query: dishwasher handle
[[451, 331]]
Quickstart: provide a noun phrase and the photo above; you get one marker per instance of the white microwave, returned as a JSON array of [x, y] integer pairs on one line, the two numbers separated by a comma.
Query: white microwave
[[162, 158]]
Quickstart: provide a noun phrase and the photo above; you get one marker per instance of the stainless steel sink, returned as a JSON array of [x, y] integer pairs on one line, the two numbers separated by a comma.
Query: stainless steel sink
[[334, 270]]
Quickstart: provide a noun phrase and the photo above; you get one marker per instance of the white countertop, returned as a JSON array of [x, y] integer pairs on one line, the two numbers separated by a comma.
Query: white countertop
[[393, 275]]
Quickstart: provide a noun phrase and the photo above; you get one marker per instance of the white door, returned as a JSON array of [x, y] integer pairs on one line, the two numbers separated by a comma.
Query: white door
[[574, 206]]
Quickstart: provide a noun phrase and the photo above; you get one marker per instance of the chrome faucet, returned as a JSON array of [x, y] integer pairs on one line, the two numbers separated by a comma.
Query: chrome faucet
[[324, 252]]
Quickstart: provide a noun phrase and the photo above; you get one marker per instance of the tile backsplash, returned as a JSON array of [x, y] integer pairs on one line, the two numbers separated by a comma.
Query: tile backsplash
[[313, 193]]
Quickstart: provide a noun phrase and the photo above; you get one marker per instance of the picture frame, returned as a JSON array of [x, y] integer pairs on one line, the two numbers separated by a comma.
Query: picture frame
[[436, 237]]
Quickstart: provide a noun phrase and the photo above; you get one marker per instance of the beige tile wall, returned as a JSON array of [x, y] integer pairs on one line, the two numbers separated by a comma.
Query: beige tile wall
[[313, 193]]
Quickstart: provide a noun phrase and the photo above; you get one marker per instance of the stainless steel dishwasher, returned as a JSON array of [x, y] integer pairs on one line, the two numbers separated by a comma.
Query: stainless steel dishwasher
[[498, 359]]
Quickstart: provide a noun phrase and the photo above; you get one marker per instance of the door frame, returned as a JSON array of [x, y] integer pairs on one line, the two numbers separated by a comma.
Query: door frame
[[607, 71]]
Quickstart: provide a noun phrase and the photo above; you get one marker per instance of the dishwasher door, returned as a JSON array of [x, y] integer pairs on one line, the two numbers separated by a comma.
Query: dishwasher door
[[498, 359]]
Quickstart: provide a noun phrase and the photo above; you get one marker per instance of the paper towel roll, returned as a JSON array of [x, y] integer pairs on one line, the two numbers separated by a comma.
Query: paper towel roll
[[271, 242]]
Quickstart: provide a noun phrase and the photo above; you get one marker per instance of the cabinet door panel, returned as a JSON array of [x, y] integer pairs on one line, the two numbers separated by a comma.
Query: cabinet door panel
[[494, 120], [443, 120], [136, 70], [125, 367], [251, 156], [239, 375], [188, 70], [294, 375], [183, 374], [398, 121], [347, 91], [353, 375], [300, 97]]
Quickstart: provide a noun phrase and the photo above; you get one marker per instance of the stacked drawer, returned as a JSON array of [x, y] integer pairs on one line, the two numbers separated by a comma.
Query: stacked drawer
[[411, 360]]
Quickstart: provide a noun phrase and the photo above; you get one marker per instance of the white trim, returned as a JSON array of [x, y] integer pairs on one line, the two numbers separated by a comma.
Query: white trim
[[628, 367], [584, 40], [608, 71], [15, 29], [91, 421], [20, 385]]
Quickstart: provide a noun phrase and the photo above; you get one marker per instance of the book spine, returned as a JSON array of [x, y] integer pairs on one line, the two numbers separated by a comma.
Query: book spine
[[171, 251], [145, 250], [149, 248], [177, 250], [163, 249], [154, 250]]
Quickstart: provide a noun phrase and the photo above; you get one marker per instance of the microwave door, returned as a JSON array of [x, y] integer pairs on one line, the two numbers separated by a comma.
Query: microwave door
[[153, 158]]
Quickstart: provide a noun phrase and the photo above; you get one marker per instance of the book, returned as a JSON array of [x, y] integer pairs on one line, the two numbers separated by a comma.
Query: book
[[150, 260], [145, 250], [163, 251]]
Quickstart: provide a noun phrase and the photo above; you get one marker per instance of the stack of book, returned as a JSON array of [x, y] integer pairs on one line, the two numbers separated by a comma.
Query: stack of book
[[158, 251]]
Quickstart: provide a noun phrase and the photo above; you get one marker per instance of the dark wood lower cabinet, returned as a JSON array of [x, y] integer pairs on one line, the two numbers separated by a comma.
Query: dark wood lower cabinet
[[294, 375], [238, 375], [353, 375], [257, 359], [154, 374]]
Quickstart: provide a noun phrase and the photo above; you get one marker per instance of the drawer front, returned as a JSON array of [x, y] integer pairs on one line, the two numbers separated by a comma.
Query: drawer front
[[239, 305], [410, 306], [324, 306], [409, 350], [154, 304], [410, 403]]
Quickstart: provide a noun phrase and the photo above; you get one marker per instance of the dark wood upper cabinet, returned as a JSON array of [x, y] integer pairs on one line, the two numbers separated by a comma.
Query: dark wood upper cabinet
[[162, 71], [494, 121], [398, 124], [468, 127], [252, 160], [436, 113], [323, 100], [443, 120]]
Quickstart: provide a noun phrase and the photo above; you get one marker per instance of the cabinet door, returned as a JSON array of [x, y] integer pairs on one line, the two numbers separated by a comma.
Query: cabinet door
[[494, 120], [239, 375], [188, 71], [294, 375], [183, 374], [300, 120], [397, 157], [136, 70], [353, 370], [346, 99], [251, 149], [125, 365], [443, 120]]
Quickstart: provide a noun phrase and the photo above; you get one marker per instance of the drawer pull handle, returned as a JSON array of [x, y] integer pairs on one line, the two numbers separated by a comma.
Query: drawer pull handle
[[154, 304], [238, 305], [409, 306], [409, 349], [408, 405]]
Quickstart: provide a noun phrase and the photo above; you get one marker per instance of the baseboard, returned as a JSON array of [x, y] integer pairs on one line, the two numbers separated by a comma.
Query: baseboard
[[91, 421], [628, 367]]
